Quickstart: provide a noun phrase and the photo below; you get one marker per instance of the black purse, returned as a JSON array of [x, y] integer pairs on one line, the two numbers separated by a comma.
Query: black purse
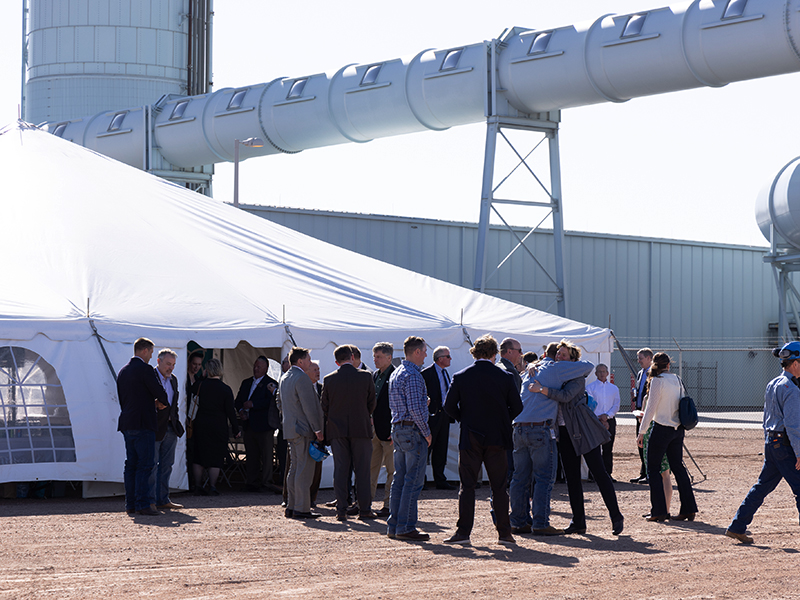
[[687, 411]]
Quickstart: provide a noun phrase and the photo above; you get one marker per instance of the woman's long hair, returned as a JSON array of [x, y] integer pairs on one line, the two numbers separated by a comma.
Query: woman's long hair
[[660, 364]]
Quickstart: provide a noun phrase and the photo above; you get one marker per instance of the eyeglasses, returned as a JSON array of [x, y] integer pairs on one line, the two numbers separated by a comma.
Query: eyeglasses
[[444, 356]]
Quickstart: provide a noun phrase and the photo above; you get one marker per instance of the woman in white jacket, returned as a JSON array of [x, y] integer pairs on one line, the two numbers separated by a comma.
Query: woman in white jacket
[[663, 397]]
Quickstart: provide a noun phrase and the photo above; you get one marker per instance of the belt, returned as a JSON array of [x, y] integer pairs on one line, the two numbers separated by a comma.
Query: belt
[[778, 434], [406, 423], [537, 424]]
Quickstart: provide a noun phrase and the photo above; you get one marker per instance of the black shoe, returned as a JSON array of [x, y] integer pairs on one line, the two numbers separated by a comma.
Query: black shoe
[[352, 510], [305, 515], [616, 526], [413, 536], [641, 479], [446, 485], [506, 539], [212, 491], [367, 516], [521, 530], [149, 511], [684, 517], [288, 513], [658, 518], [199, 491], [331, 504], [341, 517], [457, 538], [573, 528], [384, 512]]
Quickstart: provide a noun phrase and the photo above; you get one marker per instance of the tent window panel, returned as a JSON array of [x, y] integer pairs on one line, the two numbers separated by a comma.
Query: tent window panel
[[44, 456], [21, 458], [33, 409], [5, 458], [65, 456]]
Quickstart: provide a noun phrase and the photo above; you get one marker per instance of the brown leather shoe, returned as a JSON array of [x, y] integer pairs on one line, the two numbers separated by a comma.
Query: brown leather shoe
[[658, 518], [549, 530], [149, 511], [168, 505], [742, 537], [683, 517]]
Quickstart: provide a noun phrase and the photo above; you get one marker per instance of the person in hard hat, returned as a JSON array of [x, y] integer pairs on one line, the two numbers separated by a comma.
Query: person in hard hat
[[782, 441]]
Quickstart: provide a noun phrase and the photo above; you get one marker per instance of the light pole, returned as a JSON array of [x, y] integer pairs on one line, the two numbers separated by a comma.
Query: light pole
[[252, 142]]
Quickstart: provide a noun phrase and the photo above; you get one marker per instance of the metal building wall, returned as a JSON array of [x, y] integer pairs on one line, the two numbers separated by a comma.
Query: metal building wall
[[651, 288]]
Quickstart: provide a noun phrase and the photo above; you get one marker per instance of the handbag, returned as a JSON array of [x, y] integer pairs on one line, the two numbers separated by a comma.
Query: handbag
[[191, 412], [687, 410]]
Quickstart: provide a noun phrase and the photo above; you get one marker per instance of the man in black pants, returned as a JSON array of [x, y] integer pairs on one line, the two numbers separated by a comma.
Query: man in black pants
[[437, 382], [645, 358]]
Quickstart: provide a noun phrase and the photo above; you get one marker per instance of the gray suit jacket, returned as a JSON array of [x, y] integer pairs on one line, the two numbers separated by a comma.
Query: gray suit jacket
[[299, 403]]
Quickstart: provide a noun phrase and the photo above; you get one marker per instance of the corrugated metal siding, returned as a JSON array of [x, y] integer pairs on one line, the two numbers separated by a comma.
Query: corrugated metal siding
[[650, 288]]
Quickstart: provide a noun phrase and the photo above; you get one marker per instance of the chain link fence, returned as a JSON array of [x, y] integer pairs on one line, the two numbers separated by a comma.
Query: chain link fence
[[726, 379]]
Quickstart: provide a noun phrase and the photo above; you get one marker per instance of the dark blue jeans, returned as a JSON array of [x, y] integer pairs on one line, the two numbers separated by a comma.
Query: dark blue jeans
[[779, 463], [164, 457], [140, 446]]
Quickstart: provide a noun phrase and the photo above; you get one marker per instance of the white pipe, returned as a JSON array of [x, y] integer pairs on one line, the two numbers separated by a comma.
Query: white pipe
[[678, 48]]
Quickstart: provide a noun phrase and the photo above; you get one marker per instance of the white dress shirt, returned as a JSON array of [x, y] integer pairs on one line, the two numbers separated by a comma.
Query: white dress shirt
[[607, 397]]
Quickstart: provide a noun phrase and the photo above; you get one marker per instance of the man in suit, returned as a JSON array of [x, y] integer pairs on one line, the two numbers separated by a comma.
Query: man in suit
[[302, 423], [259, 416], [484, 399], [437, 382], [382, 449], [348, 399], [140, 396], [169, 430], [511, 359], [645, 359]]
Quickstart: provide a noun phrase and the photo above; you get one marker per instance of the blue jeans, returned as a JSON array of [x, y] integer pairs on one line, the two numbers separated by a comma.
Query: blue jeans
[[779, 463], [140, 447], [162, 469], [535, 460], [410, 458]]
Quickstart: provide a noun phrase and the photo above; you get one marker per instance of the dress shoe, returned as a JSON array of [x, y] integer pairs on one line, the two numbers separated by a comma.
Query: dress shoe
[[457, 538], [446, 485], [658, 518], [169, 505], [284, 504], [742, 537], [149, 511], [413, 536], [200, 491], [616, 526], [683, 517], [384, 512], [573, 528], [506, 539], [341, 517], [549, 530], [520, 530], [352, 510], [130, 511], [331, 504], [367, 516], [305, 515], [640, 479], [212, 491], [391, 535], [288, 513]]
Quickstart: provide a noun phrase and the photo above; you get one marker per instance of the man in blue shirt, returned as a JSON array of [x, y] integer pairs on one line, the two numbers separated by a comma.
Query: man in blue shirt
[[411, 437], [782, 433], [535, 453]]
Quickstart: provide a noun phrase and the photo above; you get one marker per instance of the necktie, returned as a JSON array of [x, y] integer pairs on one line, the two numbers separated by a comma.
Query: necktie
[[446, 377]]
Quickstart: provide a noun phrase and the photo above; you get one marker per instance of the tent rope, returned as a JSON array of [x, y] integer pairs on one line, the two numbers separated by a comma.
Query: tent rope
[[289, 333], [100, 341], [466, 336]]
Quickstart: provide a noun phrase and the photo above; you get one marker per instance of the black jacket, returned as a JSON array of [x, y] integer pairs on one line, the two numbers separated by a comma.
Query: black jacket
[[138, 389]]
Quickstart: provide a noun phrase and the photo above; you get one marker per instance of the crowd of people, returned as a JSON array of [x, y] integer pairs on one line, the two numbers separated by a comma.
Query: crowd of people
[[520, 417]]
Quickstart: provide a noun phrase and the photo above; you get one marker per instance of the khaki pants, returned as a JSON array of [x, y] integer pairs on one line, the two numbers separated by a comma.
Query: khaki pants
[[382, 456]]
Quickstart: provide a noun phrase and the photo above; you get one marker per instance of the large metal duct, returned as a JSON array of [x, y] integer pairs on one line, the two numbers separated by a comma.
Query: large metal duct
[[613, 59], [778, 204]]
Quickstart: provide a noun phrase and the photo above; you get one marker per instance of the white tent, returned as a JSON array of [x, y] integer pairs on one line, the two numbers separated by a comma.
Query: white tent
[[88, 242]]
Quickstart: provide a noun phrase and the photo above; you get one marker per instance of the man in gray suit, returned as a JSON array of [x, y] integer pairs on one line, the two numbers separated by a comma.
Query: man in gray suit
[[348, 400], [302, 422]]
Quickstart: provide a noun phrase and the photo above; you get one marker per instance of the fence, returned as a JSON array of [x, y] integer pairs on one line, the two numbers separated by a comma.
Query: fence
[[726, 380]]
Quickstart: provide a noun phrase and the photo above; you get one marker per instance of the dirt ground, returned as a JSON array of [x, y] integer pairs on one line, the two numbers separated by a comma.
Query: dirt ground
[[239, 545]]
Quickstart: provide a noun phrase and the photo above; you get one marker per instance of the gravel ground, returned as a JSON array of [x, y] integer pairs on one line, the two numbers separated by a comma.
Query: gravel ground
[[239, 545]]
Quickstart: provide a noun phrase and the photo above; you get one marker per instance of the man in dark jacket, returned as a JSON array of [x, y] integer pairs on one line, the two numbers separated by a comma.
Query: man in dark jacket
[[382, 448], [348, 400], [484, 399], [259, 416], [140, 396], [169, 430], [437, 382]]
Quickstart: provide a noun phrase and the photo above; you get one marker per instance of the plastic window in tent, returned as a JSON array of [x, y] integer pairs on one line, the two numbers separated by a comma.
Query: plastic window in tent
[[540, 42], [634, 25], [116, 121], [451, 59], [734, 9], [237, 99], [297, 89], [35, 425], [179, 110], [371, 75]]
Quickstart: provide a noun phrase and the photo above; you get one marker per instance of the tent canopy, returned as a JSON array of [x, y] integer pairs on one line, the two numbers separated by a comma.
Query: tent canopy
[[90, 241]]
